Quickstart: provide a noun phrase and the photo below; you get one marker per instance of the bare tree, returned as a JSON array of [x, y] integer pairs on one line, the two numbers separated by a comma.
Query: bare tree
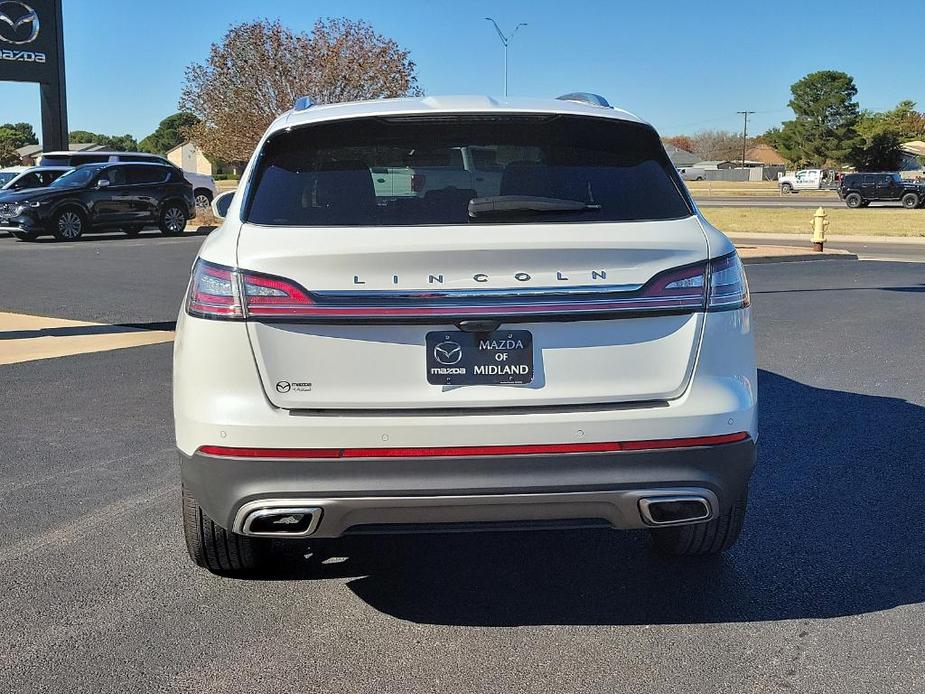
[[712, 145], [260, 68]]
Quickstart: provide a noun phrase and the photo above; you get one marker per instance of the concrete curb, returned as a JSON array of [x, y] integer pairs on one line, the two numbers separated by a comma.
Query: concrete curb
[[800, 258]]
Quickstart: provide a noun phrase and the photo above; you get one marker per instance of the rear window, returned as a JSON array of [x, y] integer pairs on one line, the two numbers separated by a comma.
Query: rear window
[[425, 170]]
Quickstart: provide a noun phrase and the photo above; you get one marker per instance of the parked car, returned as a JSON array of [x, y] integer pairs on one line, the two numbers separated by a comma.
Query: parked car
[[9, 173], [692, 173], [425, 169], [573, 348], [204, 188], [26, 177], [101, 197], [807, 179], [861, 189]]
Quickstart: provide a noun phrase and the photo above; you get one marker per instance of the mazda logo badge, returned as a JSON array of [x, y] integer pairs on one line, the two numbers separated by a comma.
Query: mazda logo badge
[[283, 387], [448, 353], [14, 16]]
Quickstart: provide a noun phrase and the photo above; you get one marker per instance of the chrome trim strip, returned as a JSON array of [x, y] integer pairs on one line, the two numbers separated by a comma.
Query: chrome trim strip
[[399, 294]]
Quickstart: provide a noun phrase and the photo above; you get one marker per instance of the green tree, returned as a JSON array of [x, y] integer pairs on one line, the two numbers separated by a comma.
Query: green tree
[[171, 131], [116, 143], [826, 116], [17, 135], [883, 135], [8, 155]]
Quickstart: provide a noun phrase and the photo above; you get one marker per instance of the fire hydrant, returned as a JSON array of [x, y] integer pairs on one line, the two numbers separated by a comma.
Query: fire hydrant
[[820, 226]]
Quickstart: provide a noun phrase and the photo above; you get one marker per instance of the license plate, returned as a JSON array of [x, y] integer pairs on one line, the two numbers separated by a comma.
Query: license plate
[[497, 358]]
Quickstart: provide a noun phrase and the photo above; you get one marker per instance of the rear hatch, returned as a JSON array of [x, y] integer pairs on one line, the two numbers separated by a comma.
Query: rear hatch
[[535, 306]]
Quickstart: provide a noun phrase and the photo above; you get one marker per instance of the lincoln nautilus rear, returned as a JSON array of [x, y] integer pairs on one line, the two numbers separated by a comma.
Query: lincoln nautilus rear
[[462, 313]]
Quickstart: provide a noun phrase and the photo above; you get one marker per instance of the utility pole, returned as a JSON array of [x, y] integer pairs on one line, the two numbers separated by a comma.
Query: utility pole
[[745, 115], [505, 40]]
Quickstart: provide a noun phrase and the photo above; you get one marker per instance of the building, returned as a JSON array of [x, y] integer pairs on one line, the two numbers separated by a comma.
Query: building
[[714, 165], [680, 157], [190, 158], [31, 155], [765, 155]]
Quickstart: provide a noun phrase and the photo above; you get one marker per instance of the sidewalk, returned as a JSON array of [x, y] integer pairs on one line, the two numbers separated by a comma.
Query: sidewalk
[[753, 254]]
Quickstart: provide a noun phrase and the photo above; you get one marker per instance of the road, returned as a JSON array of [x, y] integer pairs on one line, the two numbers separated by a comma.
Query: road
[[824, 592], [792, 200]]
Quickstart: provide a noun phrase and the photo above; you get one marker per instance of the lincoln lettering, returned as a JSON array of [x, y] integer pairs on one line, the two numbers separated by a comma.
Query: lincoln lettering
[[481, 277]]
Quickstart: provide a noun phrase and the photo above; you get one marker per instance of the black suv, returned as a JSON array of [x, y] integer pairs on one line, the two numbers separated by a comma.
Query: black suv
[[101, 197], [860, 189]]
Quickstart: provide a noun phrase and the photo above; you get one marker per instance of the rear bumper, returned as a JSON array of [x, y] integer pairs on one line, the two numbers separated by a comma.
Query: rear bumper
[[379, 494]]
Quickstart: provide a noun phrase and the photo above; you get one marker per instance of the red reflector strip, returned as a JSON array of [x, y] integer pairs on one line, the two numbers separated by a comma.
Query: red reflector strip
[[468, 451]]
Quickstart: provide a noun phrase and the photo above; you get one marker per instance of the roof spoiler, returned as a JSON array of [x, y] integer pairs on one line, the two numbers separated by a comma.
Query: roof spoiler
[[585, 98]]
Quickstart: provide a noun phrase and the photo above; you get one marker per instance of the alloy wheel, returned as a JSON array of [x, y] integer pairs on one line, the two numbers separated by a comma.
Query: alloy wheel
[[70, 225], [175, 220]]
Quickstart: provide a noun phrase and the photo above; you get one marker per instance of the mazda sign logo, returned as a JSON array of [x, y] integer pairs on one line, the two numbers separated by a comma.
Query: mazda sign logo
[[448, 353], [19, 24], [283, 387]]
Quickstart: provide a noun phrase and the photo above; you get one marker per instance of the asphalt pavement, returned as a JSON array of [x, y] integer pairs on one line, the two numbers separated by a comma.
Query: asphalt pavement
[[823, 593]]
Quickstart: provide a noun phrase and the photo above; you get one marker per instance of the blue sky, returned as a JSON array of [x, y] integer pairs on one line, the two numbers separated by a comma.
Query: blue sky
[[683, 66]]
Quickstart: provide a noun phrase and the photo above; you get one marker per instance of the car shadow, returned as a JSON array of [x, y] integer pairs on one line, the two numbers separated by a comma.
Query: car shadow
[[834, 528], [122, 236]]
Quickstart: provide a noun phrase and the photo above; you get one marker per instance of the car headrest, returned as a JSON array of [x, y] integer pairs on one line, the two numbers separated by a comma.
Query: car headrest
[[344, 184], [526, 178]]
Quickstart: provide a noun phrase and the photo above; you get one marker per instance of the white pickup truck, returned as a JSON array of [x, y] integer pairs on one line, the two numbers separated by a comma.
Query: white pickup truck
[[807, 179], [464, 168]]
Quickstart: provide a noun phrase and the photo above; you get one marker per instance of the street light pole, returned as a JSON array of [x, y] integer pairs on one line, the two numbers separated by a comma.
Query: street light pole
[[505, 40], [745, 115]]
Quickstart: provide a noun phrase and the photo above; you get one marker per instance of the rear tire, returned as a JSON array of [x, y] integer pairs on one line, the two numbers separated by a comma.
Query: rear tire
[[786, 188], [172, 221], [910, 201], [203, 198], [712, 537], [212, 547], [853, 200]]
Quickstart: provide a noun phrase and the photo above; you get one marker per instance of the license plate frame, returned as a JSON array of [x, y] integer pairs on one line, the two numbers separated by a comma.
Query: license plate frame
[[497, 358]]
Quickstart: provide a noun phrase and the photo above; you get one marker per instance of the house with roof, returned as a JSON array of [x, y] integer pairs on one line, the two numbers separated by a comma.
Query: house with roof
[[190, 157], [912, 159], [680, 157], [765, 155], [31, 155]]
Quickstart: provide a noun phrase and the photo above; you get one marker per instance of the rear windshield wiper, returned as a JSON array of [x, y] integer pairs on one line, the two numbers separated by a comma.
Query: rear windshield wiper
[[504, 204]]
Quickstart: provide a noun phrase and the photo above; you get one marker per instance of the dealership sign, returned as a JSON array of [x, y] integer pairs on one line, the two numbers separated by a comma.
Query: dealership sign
[[30, 41]]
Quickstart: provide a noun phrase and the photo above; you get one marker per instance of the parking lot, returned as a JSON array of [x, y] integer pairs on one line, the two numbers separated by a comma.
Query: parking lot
[[828, 578]]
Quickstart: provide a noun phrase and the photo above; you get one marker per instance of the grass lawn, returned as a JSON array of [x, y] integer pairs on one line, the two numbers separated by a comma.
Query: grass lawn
[[880, 221]]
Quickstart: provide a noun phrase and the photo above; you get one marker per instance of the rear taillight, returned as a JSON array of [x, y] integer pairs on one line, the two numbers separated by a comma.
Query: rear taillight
[[221, 292], [728, 284], [214, 292], [417, 182]]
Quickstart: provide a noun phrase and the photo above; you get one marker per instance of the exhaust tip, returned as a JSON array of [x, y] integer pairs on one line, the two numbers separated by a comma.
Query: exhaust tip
[[273, 521], [674, 510]]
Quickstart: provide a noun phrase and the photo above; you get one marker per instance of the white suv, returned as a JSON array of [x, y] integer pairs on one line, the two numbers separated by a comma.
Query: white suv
[[573, 349]]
